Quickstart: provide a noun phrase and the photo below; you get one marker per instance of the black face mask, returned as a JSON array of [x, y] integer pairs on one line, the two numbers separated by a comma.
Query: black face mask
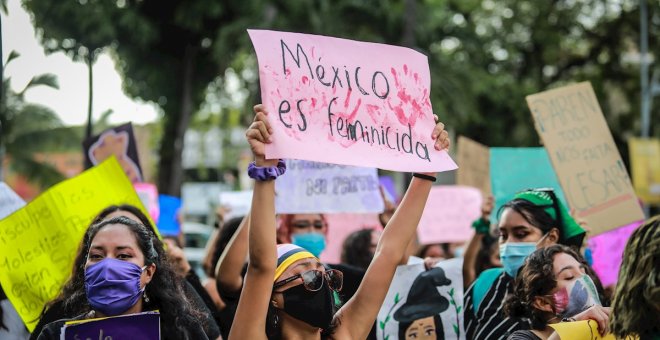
[[313, 308]]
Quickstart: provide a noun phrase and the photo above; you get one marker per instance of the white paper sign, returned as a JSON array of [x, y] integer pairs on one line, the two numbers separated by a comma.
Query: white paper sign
[[9, 201], [433, 298], [312, 187]]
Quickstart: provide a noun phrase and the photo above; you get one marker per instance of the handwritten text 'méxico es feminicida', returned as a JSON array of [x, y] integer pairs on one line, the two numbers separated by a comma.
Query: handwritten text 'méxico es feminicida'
[[350, 129]]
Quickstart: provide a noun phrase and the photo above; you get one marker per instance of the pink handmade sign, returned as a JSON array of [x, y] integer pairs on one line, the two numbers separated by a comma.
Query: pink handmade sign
[[347, 102], [607, 252], [148, 194], [448, 214], [342, 225]]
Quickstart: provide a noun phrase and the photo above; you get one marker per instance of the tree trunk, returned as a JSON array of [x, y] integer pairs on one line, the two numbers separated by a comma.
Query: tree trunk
[[90, 63], [170, 167], [409, 23]]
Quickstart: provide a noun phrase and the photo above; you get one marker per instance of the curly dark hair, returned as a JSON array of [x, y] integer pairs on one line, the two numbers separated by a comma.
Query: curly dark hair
[[355, 250], [165, 291], [77, 278], [536, 278], [636, 304]]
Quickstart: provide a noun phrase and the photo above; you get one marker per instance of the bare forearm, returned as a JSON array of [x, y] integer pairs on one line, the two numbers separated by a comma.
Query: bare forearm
[[261, 234], [230, 266], [470, 259]]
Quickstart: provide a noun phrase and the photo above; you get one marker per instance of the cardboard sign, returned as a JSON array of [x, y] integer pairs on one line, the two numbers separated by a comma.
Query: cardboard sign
[[573, 129], [607, 252], [339, 227], [9, 201], [238, 202], [580, 330], [148, 194], [448, 214], [516, 169], [39, 242], [145, 326], [312, 187], [645, 168], [120, 142], [168, 220], [347, 102], [474, 159], [433, 297]]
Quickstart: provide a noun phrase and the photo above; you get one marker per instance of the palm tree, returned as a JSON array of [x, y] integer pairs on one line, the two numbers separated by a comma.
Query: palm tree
[[28, 128]]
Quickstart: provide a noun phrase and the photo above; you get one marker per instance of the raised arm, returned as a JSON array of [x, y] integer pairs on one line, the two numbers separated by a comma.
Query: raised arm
[[229, 270], [357, 316], [250, 319]]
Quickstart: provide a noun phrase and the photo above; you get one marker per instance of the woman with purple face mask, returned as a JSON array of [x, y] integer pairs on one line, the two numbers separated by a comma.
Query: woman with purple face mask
[[555, 285], [124, 275]]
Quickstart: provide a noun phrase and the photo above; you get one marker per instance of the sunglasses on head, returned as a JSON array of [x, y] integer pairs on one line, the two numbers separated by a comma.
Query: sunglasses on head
[[318, 224], [313, 279]]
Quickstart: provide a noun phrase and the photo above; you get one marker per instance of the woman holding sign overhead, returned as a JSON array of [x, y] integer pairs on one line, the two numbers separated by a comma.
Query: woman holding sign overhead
[[125, 274], [287, 292]]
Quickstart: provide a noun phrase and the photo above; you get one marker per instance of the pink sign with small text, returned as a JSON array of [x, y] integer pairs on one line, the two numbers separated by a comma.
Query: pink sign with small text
[[347, 102], [449, 213]]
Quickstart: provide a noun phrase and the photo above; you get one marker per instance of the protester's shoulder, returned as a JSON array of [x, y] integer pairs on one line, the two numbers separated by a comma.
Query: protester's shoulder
[[52, 330], [523, 335]]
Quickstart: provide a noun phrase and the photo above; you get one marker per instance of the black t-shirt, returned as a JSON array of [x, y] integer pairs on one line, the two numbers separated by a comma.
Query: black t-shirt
[[523, 335]]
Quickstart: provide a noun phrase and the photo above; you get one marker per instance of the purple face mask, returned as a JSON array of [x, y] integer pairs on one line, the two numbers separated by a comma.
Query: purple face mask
[[113, 286]]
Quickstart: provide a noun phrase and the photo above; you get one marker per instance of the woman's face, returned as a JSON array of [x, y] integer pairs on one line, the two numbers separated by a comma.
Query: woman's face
[[118, 242], [422, 329], [307, 223], [566, 270], [435, 251], [514, 228], [295, 268]]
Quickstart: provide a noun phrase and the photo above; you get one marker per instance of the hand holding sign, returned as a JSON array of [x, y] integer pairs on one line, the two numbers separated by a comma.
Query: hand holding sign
[[347, 102]]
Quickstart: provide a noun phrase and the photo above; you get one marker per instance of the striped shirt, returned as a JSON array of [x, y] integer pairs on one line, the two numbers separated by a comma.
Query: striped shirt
[[489, 322]]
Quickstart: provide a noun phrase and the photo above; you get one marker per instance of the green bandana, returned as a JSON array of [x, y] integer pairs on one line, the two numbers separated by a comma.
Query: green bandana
[[572, 232]]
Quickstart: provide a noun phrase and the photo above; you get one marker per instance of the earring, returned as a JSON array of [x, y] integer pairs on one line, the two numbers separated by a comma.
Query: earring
[[145, 297]]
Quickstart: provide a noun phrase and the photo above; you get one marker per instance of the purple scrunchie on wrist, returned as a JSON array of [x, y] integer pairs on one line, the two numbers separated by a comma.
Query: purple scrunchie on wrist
[[266, 173]]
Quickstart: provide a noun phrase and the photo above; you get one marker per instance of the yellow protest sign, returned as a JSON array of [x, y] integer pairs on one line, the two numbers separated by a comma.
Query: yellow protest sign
[[474, 169], [645, 168], [586, 160], [580, 330], [38, 242]]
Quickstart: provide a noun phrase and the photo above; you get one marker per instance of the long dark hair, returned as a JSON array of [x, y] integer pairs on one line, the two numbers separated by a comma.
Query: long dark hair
[[165, 291], [536, 278], [636, 303], [77, 278]]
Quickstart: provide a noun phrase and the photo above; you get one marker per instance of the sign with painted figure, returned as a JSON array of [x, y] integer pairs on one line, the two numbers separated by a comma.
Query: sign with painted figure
[[313, 187], [588, 164], [607, 252], [342, 225], [474, 159], [9, 201], [347, 102], [119, 142], [145, 326], [423, 303], [645, 168], [39, 242], [516, 169], [448, 214]]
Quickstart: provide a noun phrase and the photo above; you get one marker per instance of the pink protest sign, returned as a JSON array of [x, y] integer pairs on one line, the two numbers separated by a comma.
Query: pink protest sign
[[148, 194], [448, 214], [347, 102], [342, 225], [607, 252]]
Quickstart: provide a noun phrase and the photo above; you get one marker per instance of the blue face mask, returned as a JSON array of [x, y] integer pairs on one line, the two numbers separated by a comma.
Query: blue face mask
[[312, 242], [513, 255]]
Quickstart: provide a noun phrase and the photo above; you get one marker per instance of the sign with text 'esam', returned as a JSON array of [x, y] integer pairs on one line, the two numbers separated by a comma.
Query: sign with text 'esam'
[[347, 102], [588, 164]]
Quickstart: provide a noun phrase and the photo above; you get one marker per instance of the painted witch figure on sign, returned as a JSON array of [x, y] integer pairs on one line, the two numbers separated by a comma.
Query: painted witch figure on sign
[[419, 317]]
